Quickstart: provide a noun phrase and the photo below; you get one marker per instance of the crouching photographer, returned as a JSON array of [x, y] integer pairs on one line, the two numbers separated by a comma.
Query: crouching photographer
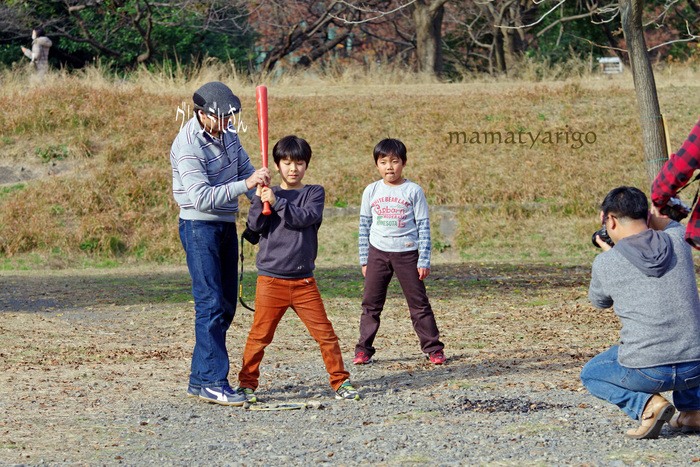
[[648, 278]]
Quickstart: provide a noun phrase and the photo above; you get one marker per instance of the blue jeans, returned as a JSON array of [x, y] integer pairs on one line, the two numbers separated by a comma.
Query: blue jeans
[[212, 259], [631, 388]]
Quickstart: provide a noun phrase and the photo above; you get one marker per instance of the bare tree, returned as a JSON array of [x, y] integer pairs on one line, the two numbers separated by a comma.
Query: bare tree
[[651, 121], [497, 30], [427, 21], [308, 29], [644, 87]]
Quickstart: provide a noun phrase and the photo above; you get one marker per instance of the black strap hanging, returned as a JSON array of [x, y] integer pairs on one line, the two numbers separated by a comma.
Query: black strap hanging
[[253, 238]]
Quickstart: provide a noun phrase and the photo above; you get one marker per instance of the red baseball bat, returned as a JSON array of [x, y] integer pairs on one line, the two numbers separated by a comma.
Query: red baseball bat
[[261, 98]]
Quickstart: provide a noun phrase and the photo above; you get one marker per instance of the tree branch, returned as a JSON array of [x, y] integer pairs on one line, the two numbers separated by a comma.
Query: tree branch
[[563, 20], [536, 22], [379, 13], [689, 39]]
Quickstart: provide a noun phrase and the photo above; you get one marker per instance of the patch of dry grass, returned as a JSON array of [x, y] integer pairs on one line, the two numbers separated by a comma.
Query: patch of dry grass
[[539, 197]]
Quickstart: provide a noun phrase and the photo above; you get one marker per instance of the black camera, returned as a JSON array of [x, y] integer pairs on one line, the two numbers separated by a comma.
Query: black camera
[[251, 236], [675, 209], [603, 234]]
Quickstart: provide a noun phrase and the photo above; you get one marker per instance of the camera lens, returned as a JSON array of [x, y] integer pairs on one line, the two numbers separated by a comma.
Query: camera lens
[[603, 234]]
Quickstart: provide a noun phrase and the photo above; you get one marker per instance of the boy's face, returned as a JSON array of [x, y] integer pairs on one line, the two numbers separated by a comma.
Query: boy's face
[[292, 172], [390, 168]]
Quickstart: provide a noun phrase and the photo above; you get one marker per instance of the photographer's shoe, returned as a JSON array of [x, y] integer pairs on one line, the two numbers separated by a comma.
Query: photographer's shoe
[[223, 395], [657, 412], [686, 422]]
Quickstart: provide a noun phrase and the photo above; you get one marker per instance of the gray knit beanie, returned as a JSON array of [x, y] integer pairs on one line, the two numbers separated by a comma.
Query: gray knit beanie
[[217, 99]]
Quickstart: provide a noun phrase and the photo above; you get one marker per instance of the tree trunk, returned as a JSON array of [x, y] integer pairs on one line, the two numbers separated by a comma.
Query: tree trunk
[[514, 45], [498, 51], [655, 152], [427, 19], [612, 42]]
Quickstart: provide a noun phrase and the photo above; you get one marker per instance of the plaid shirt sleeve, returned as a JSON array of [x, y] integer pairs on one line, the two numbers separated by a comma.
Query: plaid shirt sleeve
[[677, 173]]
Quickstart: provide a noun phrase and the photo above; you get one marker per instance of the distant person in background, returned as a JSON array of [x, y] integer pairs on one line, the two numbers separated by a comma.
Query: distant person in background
[[39, 54]]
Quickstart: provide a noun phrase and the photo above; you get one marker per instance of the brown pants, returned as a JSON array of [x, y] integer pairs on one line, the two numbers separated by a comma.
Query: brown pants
[[273, 296], [381, 266]]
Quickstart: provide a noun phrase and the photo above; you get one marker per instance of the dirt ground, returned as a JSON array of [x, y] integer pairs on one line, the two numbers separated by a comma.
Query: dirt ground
[[80, 347]]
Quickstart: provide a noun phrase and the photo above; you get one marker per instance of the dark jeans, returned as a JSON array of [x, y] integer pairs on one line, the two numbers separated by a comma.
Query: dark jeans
[[212, 259], [381, 266]]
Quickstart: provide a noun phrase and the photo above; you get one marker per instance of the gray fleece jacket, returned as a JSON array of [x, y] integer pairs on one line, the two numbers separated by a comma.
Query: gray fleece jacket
[[649, 279]]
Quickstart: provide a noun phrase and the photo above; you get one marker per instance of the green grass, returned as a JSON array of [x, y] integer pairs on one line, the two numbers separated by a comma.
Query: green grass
[[7, 190]]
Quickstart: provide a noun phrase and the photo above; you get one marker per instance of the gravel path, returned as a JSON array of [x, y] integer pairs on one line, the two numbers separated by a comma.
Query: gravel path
[[104, 384], [409, 416]]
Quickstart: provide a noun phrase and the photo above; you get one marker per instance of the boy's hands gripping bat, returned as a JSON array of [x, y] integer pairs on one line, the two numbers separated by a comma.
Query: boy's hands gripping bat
[[261, 98]]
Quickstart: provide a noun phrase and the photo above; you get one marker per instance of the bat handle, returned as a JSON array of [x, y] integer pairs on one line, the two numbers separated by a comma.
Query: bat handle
[[266, 209]]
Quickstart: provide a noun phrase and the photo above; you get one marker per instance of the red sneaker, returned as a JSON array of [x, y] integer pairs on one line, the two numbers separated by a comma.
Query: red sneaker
[[361, 358], [437, 357]]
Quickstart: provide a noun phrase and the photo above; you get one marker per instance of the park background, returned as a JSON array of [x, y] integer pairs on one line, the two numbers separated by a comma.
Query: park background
[[85, 155], [96, 318]]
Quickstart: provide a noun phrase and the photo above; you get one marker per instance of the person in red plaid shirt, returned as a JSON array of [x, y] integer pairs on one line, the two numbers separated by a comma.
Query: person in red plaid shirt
[[677, 173]]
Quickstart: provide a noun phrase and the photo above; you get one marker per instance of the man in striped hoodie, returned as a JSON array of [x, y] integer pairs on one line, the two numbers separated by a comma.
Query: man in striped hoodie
[[210, 170]]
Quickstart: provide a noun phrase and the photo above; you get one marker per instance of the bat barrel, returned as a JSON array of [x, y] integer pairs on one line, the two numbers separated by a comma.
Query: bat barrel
[[261, 99]]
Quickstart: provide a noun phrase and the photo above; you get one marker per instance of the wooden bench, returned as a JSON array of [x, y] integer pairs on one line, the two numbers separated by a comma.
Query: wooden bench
[[610, 65]]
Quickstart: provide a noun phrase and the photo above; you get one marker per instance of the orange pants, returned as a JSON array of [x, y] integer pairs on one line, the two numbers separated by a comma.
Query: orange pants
[[273, 296]]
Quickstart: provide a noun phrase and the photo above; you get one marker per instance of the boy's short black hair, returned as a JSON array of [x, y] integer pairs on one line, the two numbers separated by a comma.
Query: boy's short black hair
[[292, 147], [39, 31], [626, 202], [390, 147]]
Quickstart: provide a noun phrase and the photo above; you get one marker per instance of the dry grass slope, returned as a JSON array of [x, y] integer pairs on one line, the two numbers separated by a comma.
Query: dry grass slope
[[115, 205]]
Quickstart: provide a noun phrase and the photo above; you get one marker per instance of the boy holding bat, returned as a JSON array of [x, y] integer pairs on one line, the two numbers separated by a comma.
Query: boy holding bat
[[394, 236], [285, 261]]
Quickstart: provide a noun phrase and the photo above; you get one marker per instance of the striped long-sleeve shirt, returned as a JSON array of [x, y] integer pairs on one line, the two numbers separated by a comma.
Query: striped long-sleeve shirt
[[209, 173], [395, 218], [677, 173]]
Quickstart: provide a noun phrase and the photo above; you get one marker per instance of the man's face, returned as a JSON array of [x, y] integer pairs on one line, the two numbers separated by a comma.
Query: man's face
[[212, 124], [611, 224]]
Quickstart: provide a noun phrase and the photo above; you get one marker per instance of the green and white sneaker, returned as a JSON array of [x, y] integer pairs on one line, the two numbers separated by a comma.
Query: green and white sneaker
[[347, 391], [248, 393]]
